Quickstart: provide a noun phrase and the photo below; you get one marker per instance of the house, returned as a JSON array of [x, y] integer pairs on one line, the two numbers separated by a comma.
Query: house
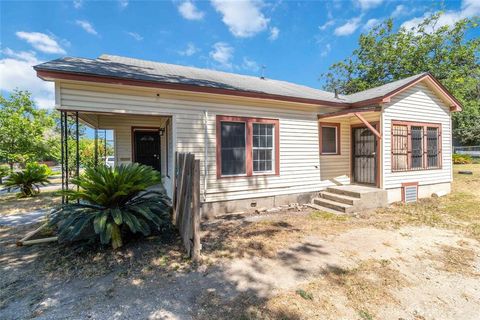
[[264, 142]]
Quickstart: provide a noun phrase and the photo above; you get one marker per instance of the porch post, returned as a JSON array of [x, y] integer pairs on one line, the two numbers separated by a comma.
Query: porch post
[[96, 147], [62, 160], [65, 116], [77, 150]]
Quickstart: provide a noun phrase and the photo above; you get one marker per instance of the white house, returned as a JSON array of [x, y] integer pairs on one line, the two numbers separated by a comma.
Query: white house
[[265, 142]]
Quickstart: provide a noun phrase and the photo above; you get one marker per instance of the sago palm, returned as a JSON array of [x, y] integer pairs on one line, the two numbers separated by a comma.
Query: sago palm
[[29, 180], [114, 200]]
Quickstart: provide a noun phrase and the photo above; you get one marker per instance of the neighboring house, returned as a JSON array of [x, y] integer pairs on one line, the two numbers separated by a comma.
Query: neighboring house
[[264, 142]]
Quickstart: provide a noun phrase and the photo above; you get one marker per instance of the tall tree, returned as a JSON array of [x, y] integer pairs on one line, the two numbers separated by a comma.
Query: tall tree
[[384, 55], [22, 128]]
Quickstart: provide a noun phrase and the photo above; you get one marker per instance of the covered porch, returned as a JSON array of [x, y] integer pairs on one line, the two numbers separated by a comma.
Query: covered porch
[[351, 146], [119, 138]]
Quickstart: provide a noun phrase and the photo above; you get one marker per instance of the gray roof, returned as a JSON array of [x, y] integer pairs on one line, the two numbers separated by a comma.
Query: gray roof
[[136, 69], [383, 90]]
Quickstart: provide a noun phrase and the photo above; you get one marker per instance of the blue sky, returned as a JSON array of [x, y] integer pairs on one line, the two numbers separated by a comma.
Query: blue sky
[[295, 41]]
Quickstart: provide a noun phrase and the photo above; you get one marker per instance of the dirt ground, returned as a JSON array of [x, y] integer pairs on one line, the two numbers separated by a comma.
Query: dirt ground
[[420, 261]]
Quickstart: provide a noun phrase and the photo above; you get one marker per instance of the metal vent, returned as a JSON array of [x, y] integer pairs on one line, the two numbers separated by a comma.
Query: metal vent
[[410, 193]]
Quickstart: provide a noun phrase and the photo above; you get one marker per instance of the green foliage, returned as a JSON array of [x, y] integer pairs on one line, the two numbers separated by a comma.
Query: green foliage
[[4, 171], [22, 128], [113, 201], [462, 159], [29, 180], [384, 55], [304, 294]]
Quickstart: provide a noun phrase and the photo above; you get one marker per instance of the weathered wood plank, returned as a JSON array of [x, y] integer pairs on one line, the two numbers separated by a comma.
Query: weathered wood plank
[[195, 254]]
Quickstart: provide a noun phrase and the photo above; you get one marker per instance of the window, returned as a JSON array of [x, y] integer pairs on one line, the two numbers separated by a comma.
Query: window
[[247, 146], [263, 147], [415, 146], [233, 148], [329, 138]]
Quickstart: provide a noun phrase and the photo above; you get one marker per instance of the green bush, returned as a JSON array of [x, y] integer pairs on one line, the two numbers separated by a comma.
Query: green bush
[[114, 201], [4, 171], [462, 159], [29, 180]]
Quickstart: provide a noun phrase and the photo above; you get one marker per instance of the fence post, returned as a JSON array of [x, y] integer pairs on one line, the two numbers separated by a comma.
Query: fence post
[[196, 213]]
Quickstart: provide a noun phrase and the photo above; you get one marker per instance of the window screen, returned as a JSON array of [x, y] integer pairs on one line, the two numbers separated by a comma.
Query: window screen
[[233, 148], [417, 147], [263, 147], [399, 147], [329, 139], [432, 147]]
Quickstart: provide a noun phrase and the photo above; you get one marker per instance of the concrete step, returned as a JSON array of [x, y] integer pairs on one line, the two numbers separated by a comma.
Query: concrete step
[[345, 192], [338, 197], [324, 209], [337, 206]]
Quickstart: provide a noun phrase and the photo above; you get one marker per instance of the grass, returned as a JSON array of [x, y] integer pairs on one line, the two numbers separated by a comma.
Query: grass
[[459, 210], [11, 204]]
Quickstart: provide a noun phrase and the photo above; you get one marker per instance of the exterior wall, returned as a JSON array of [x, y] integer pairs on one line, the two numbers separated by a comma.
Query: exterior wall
[[299, 147], [424, 191], [417, 104]]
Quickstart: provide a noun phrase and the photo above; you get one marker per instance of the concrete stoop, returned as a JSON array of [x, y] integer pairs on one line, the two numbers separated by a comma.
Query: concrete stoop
[[350, 199]]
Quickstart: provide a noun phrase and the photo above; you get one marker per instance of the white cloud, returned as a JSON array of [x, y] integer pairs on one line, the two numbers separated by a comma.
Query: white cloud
[[349, 27], [274, 32], [326, 50], [370, 24], [249, 64], [399, 11], [135, 36], [327, 24], [41, 42], [189, 11], [87, 26], [190, 50], [469, 9], [77, 4], [16, 72], [368, 4], [123, 4], [243, 18], [222, 53]]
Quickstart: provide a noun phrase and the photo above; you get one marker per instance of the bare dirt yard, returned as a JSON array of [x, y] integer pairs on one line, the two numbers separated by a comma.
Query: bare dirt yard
[[418, 261]]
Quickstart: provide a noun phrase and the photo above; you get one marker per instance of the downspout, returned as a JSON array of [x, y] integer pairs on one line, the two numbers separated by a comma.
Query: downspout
[[205, 156]]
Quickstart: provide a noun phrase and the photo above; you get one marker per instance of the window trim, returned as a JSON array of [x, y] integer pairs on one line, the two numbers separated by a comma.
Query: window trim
[[425, 126], [338, 134], [248, 145]]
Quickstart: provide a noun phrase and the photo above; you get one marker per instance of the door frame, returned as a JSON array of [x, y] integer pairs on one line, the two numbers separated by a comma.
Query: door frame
[[378, 157], [146, 129]]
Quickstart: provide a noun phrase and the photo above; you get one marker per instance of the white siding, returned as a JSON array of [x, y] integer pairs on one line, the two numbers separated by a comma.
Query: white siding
[[299, 154], [418, 104]]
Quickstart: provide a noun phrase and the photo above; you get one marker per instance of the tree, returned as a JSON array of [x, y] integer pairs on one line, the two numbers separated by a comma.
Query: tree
[[384, 55], [22, 128]]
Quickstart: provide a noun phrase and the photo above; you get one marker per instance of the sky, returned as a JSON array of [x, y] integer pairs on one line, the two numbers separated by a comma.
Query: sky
[[294, 41]]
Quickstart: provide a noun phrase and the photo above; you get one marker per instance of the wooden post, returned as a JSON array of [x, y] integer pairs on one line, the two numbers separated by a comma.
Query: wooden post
[[195, 253]]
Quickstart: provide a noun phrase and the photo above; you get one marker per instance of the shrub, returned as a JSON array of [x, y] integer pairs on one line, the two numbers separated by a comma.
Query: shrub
[[4, 171], [462, 159], [29, 180], [114, 201]]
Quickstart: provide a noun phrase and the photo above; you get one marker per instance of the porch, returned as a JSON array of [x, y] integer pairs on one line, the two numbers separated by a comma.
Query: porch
[[119, 138], [351, 158]]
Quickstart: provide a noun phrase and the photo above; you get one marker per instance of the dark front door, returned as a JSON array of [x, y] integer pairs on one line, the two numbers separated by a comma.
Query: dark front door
[[364, 156], [147, 148]]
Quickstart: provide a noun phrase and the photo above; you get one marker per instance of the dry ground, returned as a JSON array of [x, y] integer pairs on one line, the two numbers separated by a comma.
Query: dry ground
[[420, 261]]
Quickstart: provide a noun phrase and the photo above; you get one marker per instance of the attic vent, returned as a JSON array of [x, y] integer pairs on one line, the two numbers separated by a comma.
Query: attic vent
[[410, 192]]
